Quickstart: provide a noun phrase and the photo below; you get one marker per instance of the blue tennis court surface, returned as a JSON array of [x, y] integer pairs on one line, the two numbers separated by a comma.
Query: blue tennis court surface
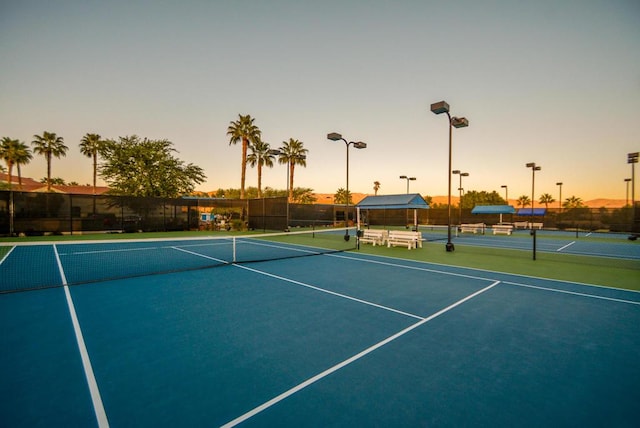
[[331, 340]]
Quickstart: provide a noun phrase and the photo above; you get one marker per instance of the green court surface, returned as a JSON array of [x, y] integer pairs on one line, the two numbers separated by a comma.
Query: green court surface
[[379, 336]]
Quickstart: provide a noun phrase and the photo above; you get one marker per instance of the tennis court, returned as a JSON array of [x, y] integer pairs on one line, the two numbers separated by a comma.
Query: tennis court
[[343, 338]]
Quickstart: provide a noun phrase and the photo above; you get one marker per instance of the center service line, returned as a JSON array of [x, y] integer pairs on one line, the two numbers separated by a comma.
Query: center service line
[[356, 357], [101, 415]]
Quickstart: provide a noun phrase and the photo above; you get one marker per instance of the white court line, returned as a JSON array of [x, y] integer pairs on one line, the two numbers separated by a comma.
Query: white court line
[[348, 361], [565, 246], [98, 407], [7, 255], [323, 290], [574, 293]]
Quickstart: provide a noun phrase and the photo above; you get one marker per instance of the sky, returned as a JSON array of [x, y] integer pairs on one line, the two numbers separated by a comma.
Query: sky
[[551, 82]]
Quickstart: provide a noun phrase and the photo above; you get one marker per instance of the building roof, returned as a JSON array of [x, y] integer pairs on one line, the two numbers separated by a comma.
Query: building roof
[[527, 211], [408, 201], [493, 209], [31, 185]]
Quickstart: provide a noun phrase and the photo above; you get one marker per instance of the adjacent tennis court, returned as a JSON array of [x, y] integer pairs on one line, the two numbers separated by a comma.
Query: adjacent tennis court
[[343, 338]]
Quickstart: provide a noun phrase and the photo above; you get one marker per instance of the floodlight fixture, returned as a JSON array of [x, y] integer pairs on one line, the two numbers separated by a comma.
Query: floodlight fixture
[[334, 136], [454, 122]]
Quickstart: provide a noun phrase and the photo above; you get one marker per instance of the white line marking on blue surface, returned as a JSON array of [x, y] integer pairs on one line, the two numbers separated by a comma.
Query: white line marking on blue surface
[[7, 255], [101, 415], [348, 361], [323, 290], [574, 293], [566, 246]]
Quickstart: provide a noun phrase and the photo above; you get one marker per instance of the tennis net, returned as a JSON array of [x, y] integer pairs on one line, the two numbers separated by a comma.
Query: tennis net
[[35, 265]]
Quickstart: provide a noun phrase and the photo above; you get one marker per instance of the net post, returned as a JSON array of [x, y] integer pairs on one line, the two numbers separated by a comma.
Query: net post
[[234, 249]]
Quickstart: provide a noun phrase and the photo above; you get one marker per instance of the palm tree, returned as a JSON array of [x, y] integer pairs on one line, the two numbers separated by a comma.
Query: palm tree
[[243, 130], [523, 201], [572, 202], [376, 187], [90, 146], [260, 155], [8, 150], [49, 145], [23, 157], [341, 196], [292, 153], [546, 199]]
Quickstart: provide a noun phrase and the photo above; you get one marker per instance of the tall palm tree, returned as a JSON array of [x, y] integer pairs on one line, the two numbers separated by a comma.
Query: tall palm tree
[[49, 145], [573, 202], [8, 151], [376, 187], [546, 199], [90, 146], [23, 157], [292, 153], [523, 201], [243, 130], [260, 155]]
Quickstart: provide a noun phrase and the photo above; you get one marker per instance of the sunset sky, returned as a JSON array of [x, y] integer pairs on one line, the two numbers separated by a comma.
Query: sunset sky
[[551, 82]]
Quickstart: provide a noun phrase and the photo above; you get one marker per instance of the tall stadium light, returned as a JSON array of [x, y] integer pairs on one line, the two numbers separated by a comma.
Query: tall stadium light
[[408, 179], [460, 189], [454, 122], [559, 184], [632, 158], [534, 168], [627, 180], [506, 193], [334, 136]]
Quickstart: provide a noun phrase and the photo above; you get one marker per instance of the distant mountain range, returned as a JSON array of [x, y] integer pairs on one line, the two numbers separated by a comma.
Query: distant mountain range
[[326, 198]]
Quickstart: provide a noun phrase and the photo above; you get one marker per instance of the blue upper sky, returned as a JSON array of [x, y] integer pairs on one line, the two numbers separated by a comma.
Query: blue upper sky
[[551, 82]]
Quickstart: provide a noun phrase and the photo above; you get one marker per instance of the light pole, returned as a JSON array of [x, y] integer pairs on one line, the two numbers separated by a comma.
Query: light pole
[[460, 189], [506, 193], [454, 122], [334, 136], [559, 184], [534, 168], [408, 179], [632, 158], [627, 180]]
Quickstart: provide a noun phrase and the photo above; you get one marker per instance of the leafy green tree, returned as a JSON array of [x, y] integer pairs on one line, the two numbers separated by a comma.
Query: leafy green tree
[[245, 131], [143, 167], [292, 153], [90, 147], [523, 201], [260, 155], [472, 198], [58, 181], [546, 199], [49, 145], [341, 195], [303, 195]]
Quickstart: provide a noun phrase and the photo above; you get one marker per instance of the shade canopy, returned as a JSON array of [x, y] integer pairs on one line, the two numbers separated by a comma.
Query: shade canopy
[[527, 211], [408, 201], [493, 209]]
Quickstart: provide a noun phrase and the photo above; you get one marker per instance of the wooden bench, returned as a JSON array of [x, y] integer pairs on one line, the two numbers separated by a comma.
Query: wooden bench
[[521, 224], [374, 237], [535, 226], [472, 228], [502, 228], [405, 237]]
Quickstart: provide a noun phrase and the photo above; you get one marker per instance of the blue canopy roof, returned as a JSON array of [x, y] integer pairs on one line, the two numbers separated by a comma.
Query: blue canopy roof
[[409, 201], [527, 211], [493, 209]]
